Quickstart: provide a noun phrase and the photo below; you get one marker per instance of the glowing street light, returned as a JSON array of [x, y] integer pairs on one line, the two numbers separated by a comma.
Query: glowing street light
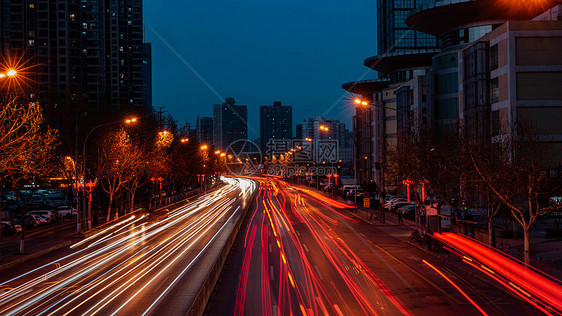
[[131, 120], [324, 128], [184, 140], [308, 139], [9, 73], [203, 147]]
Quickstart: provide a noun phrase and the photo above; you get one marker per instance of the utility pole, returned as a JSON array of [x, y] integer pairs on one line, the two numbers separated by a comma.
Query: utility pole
[[160, 112]]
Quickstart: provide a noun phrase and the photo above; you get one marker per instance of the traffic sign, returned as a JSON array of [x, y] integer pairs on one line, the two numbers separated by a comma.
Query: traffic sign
[[366, 202]]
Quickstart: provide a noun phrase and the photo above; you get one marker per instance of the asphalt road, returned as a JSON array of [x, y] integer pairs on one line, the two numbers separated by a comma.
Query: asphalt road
[[300, 254], [149, 264]]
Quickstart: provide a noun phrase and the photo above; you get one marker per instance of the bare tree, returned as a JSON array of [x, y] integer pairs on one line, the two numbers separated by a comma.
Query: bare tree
[[116, 155], [516, 176], [26, 149], [432, 157]]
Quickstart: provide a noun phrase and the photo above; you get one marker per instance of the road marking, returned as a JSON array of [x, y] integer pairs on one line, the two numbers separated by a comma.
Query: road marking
[[304, 246], [322, 307], [416, 273], [338, 310], [298, 233], [318, 272], [269, 248], [271, 273], [363, 235]]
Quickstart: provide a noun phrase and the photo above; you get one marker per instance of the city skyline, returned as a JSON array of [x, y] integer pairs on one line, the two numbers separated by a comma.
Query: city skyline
[[259, 59]]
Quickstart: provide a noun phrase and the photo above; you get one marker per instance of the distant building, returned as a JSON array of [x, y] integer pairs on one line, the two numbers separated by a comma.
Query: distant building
[[335, 135], [298, 131], [230, 124], [276, 122], [204, 127], [147, 76]]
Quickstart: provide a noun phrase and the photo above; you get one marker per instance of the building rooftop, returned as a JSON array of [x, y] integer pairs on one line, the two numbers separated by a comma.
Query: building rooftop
[[401, 60], [441, 17], [366, 86]]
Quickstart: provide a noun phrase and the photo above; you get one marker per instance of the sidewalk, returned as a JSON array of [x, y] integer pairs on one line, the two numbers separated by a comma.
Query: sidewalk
[[546, 254]]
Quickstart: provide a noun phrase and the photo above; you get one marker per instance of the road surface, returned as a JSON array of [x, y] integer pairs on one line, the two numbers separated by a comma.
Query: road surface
[[147, 264]]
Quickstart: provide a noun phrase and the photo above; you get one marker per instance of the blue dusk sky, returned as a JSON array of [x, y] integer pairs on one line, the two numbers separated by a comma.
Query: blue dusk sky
[[296, 52]]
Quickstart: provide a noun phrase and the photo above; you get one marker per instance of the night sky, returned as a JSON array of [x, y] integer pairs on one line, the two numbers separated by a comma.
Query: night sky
[[297, 52]]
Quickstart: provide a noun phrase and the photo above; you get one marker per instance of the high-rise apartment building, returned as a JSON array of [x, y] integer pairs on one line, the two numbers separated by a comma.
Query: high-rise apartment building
[[276, 122], [230, 124], [147, 76], [124, 32], [204, 130], [80, 58]]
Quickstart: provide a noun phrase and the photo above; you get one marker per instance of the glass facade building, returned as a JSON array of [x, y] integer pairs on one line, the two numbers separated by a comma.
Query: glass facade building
[[392, 32]]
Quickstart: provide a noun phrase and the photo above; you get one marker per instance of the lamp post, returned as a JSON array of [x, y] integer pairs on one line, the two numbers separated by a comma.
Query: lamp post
[[127, 121], [367, 104]]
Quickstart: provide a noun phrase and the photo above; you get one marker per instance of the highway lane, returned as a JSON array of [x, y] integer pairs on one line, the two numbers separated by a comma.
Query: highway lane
[[300, 254], [296, 264], [141, 265]]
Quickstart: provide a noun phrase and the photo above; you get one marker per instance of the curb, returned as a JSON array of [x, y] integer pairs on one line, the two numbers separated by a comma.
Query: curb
[[34, 255]]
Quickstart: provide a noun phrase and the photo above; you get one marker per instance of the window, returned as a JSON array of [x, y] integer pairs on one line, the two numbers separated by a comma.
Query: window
[[494, 57], [494, 90]]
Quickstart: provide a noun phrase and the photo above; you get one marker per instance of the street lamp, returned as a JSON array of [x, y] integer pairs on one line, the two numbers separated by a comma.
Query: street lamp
[[9, 73], [127, 121], [367, 104], [203, 147], [184, 140]]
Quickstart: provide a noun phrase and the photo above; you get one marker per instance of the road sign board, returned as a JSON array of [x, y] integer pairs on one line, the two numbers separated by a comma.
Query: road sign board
[[366, 202]]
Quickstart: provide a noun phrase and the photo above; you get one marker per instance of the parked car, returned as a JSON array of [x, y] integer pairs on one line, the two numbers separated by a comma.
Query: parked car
[[51, 216], [407, 208], [7, 229], [396, 206], [32, 221], [14, 224], [66, 210], [390, 203]]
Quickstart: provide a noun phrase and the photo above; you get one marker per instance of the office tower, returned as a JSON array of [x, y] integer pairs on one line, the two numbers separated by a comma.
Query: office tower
[[276, 123]]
